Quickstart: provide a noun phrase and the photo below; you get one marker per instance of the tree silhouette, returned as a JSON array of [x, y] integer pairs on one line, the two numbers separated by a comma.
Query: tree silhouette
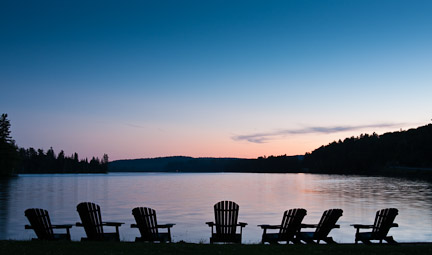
[[5, 129], [8, 149], [32, 161], [369, 154]]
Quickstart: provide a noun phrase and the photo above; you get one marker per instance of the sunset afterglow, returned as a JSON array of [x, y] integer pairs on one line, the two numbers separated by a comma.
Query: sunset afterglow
[[212, 78]]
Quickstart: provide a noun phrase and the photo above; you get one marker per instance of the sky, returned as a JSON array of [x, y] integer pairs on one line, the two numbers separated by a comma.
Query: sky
[[142, 79]]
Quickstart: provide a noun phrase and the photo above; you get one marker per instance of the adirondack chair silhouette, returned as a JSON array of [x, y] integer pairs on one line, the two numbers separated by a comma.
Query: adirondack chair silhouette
[[323, 228], [383, 222], [41, 224], [290, 226], [225, 225], [146, 222], [91, 218]]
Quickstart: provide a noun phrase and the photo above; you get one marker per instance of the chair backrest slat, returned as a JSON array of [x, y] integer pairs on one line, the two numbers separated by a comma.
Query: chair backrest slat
[[291, 223], [147, 222], [226, 216], [41, 223], [327, 223], [91, 219], [383, 220]]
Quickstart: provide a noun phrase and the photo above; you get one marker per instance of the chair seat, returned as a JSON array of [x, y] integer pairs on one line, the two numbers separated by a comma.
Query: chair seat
[[309, 238], [235, 238], [271, 238], [56, 237], [162, 237], [111, 237], [62, 237], [306, 235], [276, 237], [364, 236], [106, 237]]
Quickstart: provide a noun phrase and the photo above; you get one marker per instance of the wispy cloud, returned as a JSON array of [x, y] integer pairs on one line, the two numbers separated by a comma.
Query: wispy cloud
[[265, 137]]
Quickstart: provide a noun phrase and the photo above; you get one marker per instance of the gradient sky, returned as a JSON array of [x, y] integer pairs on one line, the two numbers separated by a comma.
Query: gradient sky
[[211, 78]]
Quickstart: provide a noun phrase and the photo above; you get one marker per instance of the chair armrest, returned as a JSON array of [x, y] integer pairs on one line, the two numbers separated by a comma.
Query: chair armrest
[[242, 224], [361, 226], [28, 227], [112, 224], [79, 224], [210, 224], [270, 226], [336, 226], [134, 226], [309, 225], [170, 225], [395, 225], [62, 226]]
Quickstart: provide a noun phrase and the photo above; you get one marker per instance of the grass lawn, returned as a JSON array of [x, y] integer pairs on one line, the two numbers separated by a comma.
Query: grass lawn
[[79, 248]]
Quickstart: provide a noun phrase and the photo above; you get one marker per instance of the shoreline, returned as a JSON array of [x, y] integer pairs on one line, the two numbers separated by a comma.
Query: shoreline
[[83, 248]]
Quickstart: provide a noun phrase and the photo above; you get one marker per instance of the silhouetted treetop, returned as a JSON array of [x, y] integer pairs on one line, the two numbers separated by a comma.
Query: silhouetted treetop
[[8, 149], [5, 129]]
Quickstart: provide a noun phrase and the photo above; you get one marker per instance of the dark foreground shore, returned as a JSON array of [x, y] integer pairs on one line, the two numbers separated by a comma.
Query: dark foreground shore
[[83, 248]]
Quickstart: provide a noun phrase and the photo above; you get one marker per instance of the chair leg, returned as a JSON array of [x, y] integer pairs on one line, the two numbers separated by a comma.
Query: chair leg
[[366, 241], [390, 240], [329, 240], [296, 241], [309, 241]]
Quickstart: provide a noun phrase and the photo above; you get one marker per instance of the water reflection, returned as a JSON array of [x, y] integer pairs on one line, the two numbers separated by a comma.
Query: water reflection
[[4, 203], [187, 199]]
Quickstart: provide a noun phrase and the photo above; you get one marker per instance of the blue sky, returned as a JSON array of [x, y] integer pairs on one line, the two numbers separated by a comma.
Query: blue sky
[[160, 78]]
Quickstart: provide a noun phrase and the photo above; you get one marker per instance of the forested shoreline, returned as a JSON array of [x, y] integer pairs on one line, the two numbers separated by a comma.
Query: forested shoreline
[[271, 164], [401, 153], [32, 161]]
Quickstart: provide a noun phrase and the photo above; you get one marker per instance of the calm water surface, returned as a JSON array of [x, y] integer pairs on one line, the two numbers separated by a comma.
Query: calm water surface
[[187, 199]]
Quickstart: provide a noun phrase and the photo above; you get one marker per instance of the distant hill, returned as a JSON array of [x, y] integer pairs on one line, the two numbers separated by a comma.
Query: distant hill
[[189, 164]]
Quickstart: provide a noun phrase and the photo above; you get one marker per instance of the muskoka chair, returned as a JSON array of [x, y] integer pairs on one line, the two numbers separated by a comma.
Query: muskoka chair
[[383, 222], [91, 220], [225, 225], [41, 224], [146, 222], [323, 228], [288, 229]]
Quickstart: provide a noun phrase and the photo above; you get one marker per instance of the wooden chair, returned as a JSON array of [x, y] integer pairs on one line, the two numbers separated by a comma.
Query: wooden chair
[[41, 224], [225, 225], [323, 228], [383, 222], [290, 226], [146, 222], [92, 222]]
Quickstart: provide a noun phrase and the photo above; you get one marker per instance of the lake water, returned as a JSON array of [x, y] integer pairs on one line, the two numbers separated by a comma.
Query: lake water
[[187, 200]]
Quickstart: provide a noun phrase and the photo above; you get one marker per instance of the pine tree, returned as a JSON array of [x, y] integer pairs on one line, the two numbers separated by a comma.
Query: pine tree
[[5, 129], [8, 149]]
